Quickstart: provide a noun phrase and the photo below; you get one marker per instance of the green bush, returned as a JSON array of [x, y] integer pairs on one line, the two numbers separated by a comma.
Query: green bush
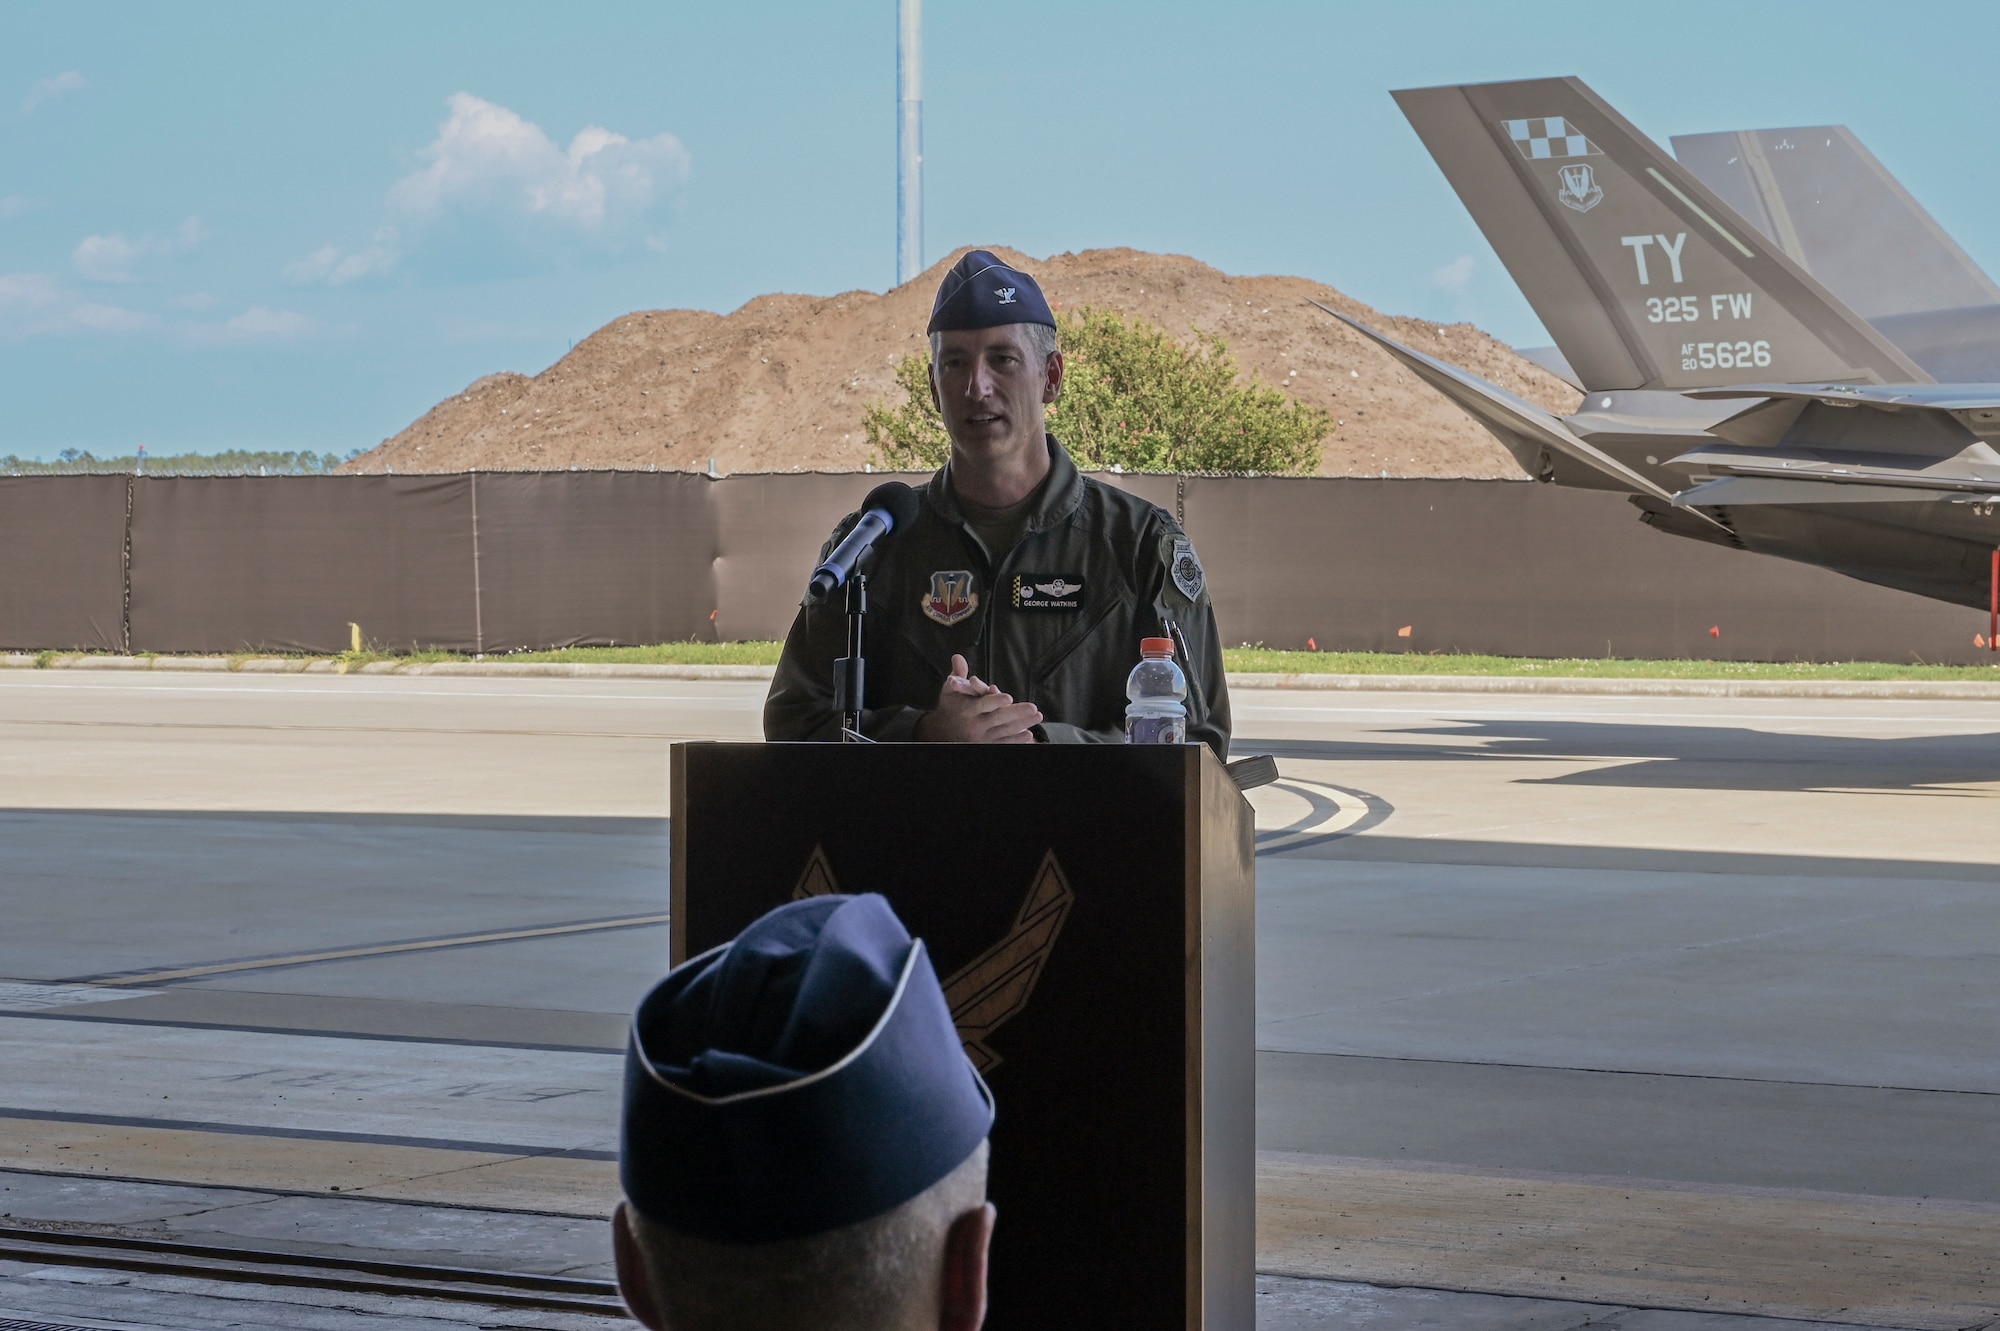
[[910, 437], [1132, 397]]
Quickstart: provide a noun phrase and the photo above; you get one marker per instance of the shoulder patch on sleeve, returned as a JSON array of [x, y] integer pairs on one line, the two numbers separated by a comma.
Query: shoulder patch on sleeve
[[1186, 569]]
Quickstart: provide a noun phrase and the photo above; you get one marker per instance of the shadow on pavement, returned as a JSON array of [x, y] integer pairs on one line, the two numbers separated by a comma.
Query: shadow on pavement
[[1629, 859], [1686, 757]]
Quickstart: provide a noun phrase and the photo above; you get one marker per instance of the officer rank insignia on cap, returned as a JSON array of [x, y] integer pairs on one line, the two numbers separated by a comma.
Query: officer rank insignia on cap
[[950, 598], [982, 292], [1048, 591], [1186, 569]]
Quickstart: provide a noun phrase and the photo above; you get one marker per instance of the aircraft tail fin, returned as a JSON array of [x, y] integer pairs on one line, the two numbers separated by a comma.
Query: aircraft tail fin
[[1641, 274], [1823, 198]]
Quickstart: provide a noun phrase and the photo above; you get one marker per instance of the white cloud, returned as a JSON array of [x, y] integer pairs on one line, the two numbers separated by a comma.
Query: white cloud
[[26, 291], [496, 192], [92, 318], [12, 205], [112, 258], [36, 305], [254, 325], [108, 258], [50, 89], [487, 158], [258, 324], [332, 266], [1454, 275]]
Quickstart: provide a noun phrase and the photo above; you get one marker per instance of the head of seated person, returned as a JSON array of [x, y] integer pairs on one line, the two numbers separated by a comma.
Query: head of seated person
[[804, 1139]]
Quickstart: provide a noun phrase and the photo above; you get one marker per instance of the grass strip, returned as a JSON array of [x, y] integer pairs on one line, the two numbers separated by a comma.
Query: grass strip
[[666, 653], [1242, 660], [1258, 660]]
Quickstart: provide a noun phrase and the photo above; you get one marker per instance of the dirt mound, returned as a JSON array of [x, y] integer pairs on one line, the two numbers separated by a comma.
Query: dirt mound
[[779, 385]]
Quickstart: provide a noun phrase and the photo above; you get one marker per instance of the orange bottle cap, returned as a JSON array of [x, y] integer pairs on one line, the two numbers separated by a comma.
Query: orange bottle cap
[[1156, 646]]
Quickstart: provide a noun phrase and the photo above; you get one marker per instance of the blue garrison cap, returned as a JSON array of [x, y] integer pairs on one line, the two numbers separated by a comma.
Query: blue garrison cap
[[804, 1077], [982, 292]]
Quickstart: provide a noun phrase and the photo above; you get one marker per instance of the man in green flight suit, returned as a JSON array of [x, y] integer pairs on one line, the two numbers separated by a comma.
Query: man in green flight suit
[[1012, 608]]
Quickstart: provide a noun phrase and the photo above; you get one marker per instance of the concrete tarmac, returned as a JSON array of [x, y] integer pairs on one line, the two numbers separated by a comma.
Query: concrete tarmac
[[1726, 954]]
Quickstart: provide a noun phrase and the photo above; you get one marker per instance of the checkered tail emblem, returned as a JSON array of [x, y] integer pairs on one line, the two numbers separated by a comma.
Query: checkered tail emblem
[[1546, 137]]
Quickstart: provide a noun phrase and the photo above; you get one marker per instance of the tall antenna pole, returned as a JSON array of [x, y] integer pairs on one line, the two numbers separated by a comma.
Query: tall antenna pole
[[909, 139]]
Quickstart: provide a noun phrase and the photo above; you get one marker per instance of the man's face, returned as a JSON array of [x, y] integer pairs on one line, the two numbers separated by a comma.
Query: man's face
[[991, 388]]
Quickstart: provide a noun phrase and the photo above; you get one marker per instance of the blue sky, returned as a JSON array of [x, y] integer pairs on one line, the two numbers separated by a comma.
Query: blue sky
[[283, 225]]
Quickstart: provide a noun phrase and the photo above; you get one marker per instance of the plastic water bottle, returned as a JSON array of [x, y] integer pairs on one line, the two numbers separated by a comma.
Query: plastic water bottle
[[1156, 686]]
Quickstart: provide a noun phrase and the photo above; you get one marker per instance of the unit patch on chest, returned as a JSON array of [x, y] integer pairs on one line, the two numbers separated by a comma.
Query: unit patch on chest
[[950, 598], [1048, 591]]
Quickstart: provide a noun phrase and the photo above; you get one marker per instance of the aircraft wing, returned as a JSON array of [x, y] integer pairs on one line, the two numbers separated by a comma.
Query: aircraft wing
[[1523, 427], [1936, 397], [1806, 476], [1741, 492], [1913, 426]]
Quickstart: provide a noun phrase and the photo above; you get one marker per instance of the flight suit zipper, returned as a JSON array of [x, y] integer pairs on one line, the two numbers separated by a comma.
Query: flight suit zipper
[[992, 610], [996, 575]]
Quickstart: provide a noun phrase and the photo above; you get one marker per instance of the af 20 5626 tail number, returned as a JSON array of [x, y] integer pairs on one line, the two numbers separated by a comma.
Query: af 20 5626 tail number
[[1725, 355]]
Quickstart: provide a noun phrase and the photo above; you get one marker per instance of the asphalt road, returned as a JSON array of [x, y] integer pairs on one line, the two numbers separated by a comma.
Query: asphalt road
[[1700, 943]]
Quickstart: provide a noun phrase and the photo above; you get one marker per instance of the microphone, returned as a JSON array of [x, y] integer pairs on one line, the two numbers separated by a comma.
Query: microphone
[[889, 507]]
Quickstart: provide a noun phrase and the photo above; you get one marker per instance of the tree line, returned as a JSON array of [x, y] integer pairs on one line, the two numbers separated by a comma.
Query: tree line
[[229, 462]]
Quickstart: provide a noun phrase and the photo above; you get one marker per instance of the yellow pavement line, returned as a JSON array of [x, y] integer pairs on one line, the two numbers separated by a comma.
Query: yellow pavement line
[[378, 950], [488, 1180], [1348, 807], [1831, 1257], [1889, 1261]]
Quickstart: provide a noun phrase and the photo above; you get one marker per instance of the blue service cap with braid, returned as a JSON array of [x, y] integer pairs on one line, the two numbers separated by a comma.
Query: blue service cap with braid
[[982, 292], [804, 1077]]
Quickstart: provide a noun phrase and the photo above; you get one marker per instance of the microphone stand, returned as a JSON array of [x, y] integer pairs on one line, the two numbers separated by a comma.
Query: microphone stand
[[849, 672]]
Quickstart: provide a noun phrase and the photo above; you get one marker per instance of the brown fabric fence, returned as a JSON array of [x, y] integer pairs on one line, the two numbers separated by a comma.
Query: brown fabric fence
[[1519, 569], [593, 557], [285, 563], [62, 561], [497, 562]]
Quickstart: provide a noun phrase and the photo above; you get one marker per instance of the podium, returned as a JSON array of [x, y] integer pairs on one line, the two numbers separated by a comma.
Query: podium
[[1091, 912]]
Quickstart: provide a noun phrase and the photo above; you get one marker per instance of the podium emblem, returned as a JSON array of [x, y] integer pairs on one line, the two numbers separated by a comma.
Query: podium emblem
[[951, 597], [994, 987], [818, 879]]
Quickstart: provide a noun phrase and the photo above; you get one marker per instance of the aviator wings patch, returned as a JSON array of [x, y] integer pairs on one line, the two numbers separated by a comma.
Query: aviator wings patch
[[1048, 591]]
